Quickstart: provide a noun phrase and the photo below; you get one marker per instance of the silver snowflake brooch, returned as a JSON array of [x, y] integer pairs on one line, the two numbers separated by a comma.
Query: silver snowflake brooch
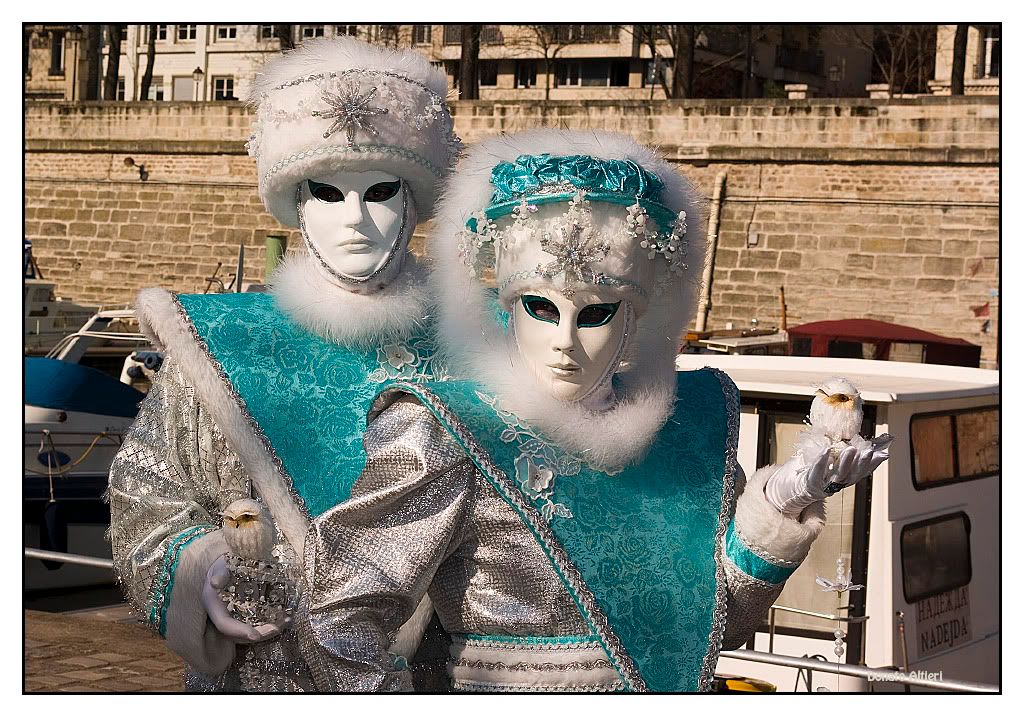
[[350, 111], [573, 255]]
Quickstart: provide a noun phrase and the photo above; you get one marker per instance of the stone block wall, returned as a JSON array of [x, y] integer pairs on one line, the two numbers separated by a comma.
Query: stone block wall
[[859, 208]]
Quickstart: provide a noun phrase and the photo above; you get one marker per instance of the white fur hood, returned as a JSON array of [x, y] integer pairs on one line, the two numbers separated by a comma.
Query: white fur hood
[[361, 321], [474, 345]]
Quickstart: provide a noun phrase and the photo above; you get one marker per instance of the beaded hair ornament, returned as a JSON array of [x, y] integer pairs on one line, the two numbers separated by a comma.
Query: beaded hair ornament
[[576, 242]]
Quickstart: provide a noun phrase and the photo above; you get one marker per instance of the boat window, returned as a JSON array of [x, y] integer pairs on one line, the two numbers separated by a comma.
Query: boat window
[[936, 556], [836, 539], [954, 446]]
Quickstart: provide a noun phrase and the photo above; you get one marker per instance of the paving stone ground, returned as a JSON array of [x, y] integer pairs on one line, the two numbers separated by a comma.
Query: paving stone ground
[[96, 651]]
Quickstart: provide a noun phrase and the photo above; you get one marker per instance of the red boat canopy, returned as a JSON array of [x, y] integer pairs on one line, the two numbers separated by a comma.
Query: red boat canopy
[[833, 338]]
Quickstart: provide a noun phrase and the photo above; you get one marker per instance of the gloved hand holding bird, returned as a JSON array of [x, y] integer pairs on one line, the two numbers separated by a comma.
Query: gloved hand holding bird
[[830, 453], [248, 594]]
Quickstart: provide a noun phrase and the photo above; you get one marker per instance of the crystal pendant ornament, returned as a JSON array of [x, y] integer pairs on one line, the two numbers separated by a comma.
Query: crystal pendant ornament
[[842, 582]]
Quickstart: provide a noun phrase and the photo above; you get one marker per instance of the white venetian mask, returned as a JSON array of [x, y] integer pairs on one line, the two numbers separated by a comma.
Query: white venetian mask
[[356, 223], [571, 345]]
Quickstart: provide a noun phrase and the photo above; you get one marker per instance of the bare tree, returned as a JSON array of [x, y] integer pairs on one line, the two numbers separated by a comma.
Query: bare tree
[[113, 62], [93, 61], [680, 39], [147, 76], [469, 63], [956, 83], [547, 42], [388, 35], [903, 55], [284, 34]]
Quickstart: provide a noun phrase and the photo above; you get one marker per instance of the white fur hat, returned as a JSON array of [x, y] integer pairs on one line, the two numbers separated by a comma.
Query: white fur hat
[[340, 103], [485, 215], [533, 202]]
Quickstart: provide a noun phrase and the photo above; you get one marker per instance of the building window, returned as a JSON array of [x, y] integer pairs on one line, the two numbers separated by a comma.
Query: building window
[[227, 32], [526, 73], [224, 88], [267, 32], [990, 51], [156, 90], [587, 33], [592, 73], [936, 556], [955, 446], [161, 33], [346, 30], [311, 31], [186, 32], [57, 53], [453, 34], [421, 34], [488, 73], [120, 90], [491, 35]]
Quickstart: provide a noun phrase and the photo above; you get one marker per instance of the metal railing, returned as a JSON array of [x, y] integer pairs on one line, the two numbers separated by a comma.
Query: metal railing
[[871, 674], [854, 619], [70, 558]]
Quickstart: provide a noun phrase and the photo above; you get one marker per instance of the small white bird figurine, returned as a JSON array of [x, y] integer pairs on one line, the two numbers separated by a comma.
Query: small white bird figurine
[[837, 409], [248, 530]]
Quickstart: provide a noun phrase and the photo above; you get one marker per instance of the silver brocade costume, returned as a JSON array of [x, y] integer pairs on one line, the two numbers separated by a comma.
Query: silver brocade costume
[[174, 474], [423, 520]]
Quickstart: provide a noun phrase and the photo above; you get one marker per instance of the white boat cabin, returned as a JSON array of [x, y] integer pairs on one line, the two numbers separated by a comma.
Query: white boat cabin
[[922, 535]]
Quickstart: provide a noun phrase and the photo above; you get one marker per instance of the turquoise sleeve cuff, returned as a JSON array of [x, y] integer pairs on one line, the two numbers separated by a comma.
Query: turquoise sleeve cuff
[[751, 563], [164, 583]]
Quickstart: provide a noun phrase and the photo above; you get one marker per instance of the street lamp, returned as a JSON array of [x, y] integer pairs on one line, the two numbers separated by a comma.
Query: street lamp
[[197, 78]]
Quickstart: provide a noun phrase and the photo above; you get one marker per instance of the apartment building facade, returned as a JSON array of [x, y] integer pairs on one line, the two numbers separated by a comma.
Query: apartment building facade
[[528, 62], [566, 62]]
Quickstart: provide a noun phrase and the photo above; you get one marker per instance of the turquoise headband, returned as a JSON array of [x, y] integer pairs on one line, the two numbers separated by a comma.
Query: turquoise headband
[[542, 179]]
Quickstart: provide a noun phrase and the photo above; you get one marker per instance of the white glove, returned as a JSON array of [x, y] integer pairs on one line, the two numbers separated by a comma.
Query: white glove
[[235, 630], [819, 469]]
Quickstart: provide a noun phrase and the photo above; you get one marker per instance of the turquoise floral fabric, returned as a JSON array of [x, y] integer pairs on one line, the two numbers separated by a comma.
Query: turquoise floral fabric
[[308, 395], [645, 539]]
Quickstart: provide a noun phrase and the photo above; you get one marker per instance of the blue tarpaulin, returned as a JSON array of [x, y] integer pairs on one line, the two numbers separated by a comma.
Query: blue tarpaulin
[[50, 383]]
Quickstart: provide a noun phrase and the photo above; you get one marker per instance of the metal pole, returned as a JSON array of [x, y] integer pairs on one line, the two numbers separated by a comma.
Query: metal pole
[[277, 245], [873, 674], [704, 304], [71, 558]]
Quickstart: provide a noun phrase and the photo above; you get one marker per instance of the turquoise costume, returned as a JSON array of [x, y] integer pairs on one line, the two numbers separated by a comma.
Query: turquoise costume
[[640, 551], [307, 397]]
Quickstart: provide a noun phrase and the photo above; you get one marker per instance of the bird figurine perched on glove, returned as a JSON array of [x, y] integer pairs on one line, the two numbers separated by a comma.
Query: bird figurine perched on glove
[[256, 589], [830, 453], [248, 531], [837, 409]]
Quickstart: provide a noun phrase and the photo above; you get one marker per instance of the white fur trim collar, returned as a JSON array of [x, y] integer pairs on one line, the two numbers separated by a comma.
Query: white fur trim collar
[[360, 321]]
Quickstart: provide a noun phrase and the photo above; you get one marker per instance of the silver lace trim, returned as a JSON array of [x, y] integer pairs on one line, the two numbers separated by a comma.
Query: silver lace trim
[[621, 660], [493, 644], [732, 412], [534, 666], [400, 242], [464, 686], [243, 409], [764, 554], [354, 149]]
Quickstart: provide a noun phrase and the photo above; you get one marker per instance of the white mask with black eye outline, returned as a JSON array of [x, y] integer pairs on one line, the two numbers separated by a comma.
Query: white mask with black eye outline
[[572, 346], [357, 225]]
